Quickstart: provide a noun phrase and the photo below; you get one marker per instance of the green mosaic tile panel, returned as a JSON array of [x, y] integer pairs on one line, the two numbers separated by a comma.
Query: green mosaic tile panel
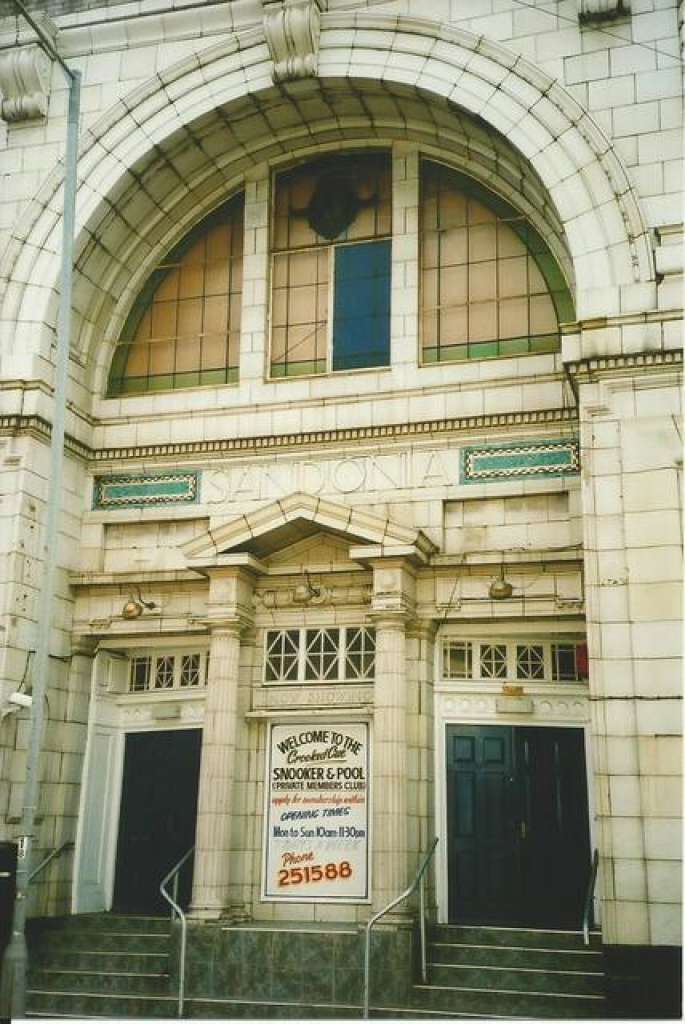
[[483, 463], [144, 490]]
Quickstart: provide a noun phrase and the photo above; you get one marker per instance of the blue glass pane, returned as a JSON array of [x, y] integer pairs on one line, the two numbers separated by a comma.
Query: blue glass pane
[[361, 314]]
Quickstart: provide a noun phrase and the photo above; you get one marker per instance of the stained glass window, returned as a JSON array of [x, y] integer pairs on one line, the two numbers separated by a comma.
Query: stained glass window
[[330, 297], [184, 329], [489, 284]]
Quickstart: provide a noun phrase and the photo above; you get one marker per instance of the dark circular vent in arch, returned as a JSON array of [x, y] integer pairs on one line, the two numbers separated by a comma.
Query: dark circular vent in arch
[[333, 206]]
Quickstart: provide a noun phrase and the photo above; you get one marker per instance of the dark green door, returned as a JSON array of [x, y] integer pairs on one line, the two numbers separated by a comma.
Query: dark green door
[[518, 839], [157, 817]]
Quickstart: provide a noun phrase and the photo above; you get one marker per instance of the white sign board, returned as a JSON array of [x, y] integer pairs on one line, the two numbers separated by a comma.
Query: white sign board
[[317, 813]]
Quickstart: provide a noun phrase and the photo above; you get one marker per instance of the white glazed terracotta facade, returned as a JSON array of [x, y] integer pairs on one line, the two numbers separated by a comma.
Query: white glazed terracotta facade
[[358, 478]]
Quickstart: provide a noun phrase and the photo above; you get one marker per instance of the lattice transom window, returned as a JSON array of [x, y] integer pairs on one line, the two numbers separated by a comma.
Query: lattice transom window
[[184, 329], [489, 283], [340, 654], [177, 670], [463, 659]]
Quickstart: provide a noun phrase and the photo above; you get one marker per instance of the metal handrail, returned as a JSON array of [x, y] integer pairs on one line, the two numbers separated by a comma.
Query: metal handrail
[[175, 909], [418, 881], [68, 844], [589, 895]]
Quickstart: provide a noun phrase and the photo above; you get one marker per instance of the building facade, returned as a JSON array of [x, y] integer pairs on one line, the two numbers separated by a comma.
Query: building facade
[[371, 519]]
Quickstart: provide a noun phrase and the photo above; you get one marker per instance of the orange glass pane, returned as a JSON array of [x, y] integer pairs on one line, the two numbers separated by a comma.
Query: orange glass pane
[[453, 324], [187, 354], [218, 243], [163, 324], [192, 280], [513, 317], [543, 318], [162, 357], [302, 305], [213, 351], [538, 284], [482, 242], [137, 361], [190, 316], [512, 277], [454, 286], [215, 314], [454, 246], [452, 211], [217, 278], [482, 321], [508, 242], [482, 281], [430, 289], [168, 289], [480, 214]]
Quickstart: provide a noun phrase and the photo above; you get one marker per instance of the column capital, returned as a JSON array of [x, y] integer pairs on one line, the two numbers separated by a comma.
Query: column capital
[[390, 618], [84, 646], [227, 625], [423, 629]]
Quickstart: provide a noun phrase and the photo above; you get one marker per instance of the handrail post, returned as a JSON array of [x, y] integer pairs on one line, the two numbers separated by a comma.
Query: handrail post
[[418, 882], [422, 927], [589, 895], [176, 909]]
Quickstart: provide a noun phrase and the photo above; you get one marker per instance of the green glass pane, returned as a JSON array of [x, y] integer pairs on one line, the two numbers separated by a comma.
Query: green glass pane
[[513, 346], [483, 349], [545, 343]]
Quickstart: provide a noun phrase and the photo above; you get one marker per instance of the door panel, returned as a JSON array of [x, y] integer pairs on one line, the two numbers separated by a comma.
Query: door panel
[[482, 846], [518, 835], [157, 819]]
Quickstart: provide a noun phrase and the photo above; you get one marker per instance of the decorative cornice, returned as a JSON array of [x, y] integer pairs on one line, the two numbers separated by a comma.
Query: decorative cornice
[[25, 73], [586, 368], [14, 425], [292, 29]]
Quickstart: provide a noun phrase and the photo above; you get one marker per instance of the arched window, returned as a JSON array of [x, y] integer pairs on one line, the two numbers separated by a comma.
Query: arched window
[[184, 329], [489, 284], [330, 285]]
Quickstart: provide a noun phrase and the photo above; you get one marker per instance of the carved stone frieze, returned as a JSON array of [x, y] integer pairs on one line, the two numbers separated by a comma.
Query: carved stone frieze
[[25, 73], [288, 597], [476, 705], [292, 29]]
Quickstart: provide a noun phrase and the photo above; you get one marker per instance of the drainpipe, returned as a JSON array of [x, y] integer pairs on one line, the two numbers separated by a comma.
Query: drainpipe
[[14, 964]]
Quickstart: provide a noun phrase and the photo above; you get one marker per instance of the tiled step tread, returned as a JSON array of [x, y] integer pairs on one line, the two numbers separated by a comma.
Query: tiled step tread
[[50, 958], [517, 979], [527, 970], [114, 983], [526, 937], [485, 1002], [131, 924]]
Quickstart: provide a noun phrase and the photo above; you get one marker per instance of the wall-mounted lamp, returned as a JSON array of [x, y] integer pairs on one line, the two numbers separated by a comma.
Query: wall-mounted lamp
[[135, 606], [500, 589]]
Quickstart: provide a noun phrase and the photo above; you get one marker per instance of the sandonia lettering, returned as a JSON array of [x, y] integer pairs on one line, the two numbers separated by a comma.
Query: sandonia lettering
[[356, 474]]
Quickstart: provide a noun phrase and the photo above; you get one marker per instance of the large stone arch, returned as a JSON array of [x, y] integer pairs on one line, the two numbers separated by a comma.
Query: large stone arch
[[155, 162]]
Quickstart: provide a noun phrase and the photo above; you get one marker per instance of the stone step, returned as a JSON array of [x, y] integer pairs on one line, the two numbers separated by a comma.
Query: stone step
[[101, 1004], [68, 959], [100, 941], [243, 1009], [520, 979], [129, 923], [516, 956], [528, 937], [485, 1002], [99, 982]]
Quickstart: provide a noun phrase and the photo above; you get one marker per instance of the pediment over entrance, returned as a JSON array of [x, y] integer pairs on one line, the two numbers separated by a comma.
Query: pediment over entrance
[[268, 533]]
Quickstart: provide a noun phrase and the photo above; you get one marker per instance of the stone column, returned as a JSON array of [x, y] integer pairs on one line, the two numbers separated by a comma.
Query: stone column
[[391, 610], [229, 599]]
